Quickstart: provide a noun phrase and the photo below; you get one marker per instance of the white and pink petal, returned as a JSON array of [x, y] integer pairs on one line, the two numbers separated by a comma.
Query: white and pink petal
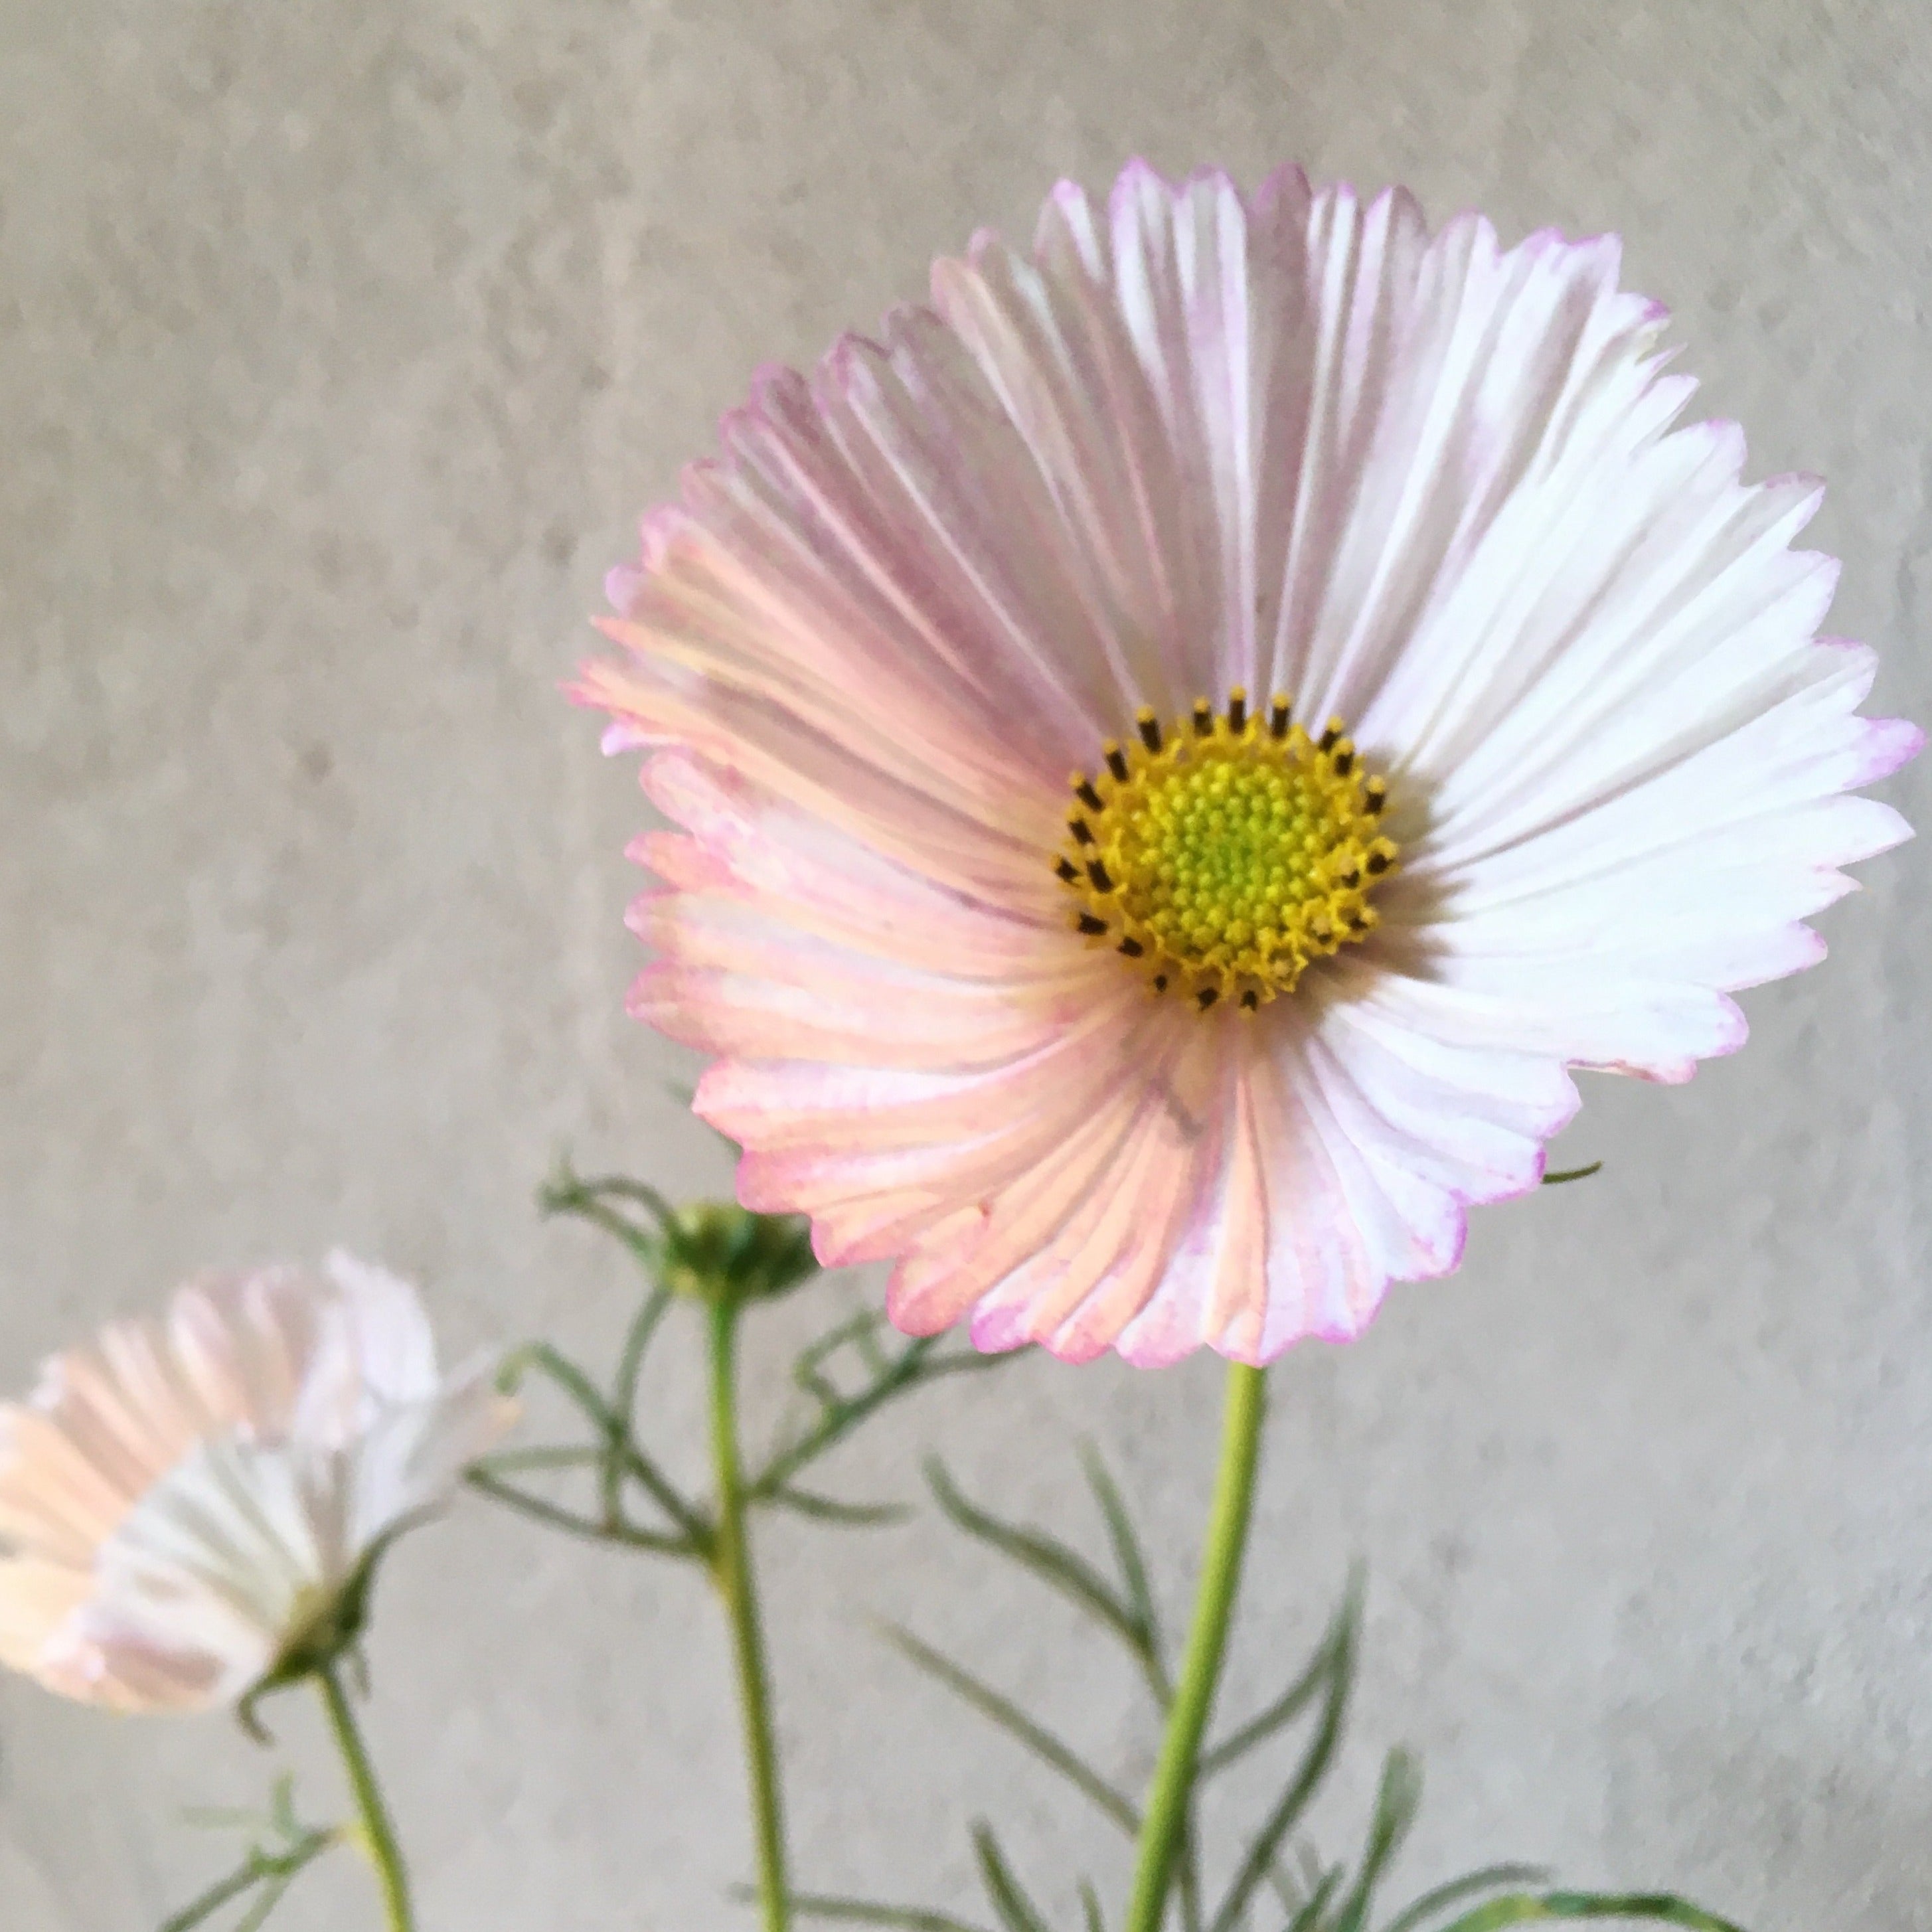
[[1195, 440]]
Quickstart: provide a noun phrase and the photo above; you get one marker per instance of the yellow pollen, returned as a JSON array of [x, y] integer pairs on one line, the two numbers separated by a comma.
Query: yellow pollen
[[1222, 854]]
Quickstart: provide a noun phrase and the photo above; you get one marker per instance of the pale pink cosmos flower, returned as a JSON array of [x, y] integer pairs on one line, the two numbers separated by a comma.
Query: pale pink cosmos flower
[[186, 1504], [1211, 1041]]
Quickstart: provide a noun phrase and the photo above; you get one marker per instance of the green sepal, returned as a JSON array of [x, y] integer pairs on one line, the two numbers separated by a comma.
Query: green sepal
[[327, 1637], [721, 1254], [1557, 1179]]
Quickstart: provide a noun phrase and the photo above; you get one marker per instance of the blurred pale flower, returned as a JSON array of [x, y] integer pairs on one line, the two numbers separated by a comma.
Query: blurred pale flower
[[1212, 1046], [190, 1507]]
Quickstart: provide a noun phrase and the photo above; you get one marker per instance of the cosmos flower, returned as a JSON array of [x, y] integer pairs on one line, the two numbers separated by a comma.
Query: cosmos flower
[[190, 1507], [1440, 718]]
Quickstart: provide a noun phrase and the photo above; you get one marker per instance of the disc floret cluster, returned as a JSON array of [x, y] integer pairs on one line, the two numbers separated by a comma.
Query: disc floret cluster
[[1226, 853]]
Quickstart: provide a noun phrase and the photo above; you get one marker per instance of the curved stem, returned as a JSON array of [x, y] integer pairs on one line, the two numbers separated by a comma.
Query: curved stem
[[731, 1570], [378, 1834], [1164, 1822]]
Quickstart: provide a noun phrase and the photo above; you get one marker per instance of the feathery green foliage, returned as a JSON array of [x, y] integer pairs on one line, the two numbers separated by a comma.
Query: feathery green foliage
[[701, 1253], [283, 1849], [1262, 1893]]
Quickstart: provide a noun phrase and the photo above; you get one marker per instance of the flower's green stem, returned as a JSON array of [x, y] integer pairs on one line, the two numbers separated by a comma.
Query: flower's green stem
[[377, 1835], [1164, 1821], [731, 1569]]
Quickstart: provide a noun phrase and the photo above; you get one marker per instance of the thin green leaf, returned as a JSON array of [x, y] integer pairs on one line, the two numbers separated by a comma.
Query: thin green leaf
[[1132, 1566], [863, 1911], [277, 1869], [642, 1244], [624, 1187], [865, 1343], [687, 1515], [1489, 1878], [1296, 1888], [1573, 1174], [222, 1892], [1302, 1786], [586, 1200], [553, 1516], [1089, 1908], [563, 1374], [1336, 1651], [636, 1344], [282, 1804], [916, 1365], [1525, 1908], [539, 1509], [1309, 1918], [861, 1334], [1011, 1719], [620, 1453], [273, 1891], [830, 1509], [546, 1455], [1291, 1896], [279, 1819], [1048, 1558], [1282, 1712], [1004, 1892], [569, 1192], [1397, 1800]]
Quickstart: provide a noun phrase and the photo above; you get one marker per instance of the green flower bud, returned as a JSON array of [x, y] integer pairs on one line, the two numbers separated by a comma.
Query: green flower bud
[[715, 1251]]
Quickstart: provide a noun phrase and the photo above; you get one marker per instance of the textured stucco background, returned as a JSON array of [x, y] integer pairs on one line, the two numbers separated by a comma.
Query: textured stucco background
[[339, 347]]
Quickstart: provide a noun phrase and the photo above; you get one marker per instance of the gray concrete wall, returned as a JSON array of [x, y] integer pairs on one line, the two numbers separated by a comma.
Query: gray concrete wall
[[339, 347]]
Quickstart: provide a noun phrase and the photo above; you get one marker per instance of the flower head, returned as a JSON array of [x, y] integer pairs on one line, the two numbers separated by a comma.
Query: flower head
[[190, 1508], [1180, 745]]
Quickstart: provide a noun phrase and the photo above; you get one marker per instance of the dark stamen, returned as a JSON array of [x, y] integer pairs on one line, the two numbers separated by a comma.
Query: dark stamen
[[1335, 728], [1068, 870], [1378, 864], [1083, 790], [1376, 795], [1250, 1000], [1160, 982], [1098, 873], [1117, 761], [1279, 711], [1091, 926], [1237, 708], [1206, 997], [1351, 879], [1133, 948], [1345, 762], [1149, 728], [1203, 718], [1081, 836]]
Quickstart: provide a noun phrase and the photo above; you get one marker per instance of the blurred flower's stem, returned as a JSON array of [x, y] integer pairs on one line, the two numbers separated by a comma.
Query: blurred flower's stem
[[377, 1835], [1164, 1821], [731, 1570]]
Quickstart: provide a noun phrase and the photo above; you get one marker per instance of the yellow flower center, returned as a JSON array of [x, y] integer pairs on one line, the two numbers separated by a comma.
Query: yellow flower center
[[1225, 854]]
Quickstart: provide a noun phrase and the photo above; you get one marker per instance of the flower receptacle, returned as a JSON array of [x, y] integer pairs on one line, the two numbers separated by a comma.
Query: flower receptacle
[[719, 1253]]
